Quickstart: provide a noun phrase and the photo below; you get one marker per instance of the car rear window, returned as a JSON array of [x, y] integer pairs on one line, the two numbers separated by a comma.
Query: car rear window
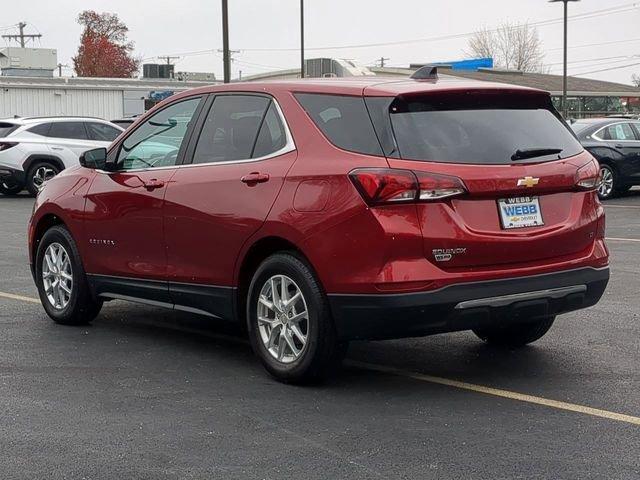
[[343, 119], [478, 128], [7, 128]]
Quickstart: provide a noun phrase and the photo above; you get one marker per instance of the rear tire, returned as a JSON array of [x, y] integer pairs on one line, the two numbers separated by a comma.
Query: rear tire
[[10, 187], [40, 173], [292, 351], [516, 335], [608, 187], [58, 262]]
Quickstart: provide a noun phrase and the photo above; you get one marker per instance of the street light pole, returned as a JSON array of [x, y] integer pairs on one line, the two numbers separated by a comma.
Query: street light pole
[[565, 106], [226, 56], [302, 66]]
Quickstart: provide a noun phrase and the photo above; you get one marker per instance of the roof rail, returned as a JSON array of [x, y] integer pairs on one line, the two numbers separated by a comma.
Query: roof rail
[[428, 72]]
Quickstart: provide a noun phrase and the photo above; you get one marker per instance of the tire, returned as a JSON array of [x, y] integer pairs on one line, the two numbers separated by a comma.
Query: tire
[[516, 335], [77, 307], [40, 173], [10, 187], [321, 353], [608, 187]]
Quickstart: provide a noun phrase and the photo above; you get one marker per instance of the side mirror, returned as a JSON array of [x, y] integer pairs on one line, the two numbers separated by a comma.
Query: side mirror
[[95, 159]]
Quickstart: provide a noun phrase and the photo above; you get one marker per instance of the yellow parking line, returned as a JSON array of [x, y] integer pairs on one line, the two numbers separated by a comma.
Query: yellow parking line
[[496, 392], [19, 297], [617, 239]]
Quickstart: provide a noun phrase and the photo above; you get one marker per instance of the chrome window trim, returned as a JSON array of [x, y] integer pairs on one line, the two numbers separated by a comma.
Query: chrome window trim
[[289, 146], [601, 129]]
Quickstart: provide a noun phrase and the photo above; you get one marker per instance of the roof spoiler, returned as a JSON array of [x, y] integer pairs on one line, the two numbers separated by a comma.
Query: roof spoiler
[[428, 72]]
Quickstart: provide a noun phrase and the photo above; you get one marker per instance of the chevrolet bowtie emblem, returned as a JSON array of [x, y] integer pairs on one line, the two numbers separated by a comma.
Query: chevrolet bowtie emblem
[[528, 182]]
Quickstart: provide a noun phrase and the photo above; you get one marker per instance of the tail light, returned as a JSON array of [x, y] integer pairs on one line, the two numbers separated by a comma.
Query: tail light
[[588, 176], [6, 145], [380, 186]]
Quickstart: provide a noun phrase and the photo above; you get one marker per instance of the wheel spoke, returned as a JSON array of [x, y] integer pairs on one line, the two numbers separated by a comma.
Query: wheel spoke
[[296, 331], [64, 287], [274, 293], [267, 321], [273, 334], [284, 290], [264, 301], [281, 345], [292, 346], [292, 301], [299, 316]]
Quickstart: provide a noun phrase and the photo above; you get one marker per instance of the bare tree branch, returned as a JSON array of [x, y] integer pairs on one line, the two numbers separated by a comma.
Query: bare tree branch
[[512, 46]]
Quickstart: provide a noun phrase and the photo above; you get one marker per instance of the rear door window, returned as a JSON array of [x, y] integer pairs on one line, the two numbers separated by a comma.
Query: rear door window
[[102, 132], [7, 128], [343, 119], [272, 136], [479, 128], [70, 130], [619, 132], [231, 128]]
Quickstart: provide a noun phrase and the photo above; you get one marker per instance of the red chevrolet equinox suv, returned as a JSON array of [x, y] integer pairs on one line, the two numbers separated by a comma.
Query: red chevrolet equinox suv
[[316, 212]]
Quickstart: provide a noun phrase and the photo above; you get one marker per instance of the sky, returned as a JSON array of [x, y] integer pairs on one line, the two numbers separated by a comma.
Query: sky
[[266, 32]]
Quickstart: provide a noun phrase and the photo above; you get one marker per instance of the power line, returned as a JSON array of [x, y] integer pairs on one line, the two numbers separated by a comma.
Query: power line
[[583, 16], [22, 37], [607, 69], [596, 44]]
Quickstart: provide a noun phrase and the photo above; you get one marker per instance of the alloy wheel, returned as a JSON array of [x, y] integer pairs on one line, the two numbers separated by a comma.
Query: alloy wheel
[[42, 175], [283, 318], [606, 182], [57, 276]]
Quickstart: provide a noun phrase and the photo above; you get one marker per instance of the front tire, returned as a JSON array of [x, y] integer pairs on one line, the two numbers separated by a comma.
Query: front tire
[[39, 174], [289, 321], [517, 335], [61, 280]]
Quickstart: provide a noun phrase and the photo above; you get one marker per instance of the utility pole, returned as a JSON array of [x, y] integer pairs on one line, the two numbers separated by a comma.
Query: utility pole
[[565, 106], [226, 56], [22, 37], [302, 65], [168, 58], [382, 60], [60, 69]]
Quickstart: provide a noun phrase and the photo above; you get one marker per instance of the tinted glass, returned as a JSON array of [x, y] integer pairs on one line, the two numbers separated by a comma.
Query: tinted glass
[[7, 128], [230, 130], [102, 132], [580, 126], [343, 120], [42, 129], [619, 131], [71, 130], [272, 136], [157, 141], [479, 128]]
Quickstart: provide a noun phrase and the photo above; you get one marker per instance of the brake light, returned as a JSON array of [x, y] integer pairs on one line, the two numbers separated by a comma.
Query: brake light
[[6, 145], [588, 176], [380, 186]]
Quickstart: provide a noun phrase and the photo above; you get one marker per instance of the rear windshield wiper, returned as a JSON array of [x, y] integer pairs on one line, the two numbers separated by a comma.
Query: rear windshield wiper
[[534, 152]]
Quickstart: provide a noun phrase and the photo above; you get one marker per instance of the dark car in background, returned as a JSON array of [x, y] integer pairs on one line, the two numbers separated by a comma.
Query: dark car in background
[[615, 142]]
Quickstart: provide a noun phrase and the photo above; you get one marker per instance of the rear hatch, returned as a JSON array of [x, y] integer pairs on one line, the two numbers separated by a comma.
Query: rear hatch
[[525, 181]]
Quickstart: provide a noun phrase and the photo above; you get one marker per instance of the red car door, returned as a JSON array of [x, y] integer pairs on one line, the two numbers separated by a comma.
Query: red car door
[[214, 204], [123, 212]]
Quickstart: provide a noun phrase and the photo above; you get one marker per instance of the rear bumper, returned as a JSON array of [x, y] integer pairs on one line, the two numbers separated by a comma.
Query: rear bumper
[[466, 306]]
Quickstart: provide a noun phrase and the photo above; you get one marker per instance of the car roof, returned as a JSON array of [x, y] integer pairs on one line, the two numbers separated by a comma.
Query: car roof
[[32, 120], [362, 85]]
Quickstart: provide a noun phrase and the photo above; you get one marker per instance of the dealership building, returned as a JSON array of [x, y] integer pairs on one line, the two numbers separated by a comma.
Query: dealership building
[[586, 97]]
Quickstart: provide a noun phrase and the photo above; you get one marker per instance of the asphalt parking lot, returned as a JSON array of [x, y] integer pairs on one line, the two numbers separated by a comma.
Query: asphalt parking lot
[[149, 393]]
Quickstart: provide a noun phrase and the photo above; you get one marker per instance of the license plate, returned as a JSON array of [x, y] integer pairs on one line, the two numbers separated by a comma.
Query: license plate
[[520, 212]]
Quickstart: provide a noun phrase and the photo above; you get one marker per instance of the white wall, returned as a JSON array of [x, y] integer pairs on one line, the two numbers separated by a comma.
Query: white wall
[[107, 104]]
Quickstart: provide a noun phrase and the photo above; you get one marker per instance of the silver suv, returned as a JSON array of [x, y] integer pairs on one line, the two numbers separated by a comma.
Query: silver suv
[[35, 149]]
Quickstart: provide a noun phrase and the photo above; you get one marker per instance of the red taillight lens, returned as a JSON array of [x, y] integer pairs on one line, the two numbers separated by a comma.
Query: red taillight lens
[[588, 176], [6, 145], [389, 185], [434, 186]]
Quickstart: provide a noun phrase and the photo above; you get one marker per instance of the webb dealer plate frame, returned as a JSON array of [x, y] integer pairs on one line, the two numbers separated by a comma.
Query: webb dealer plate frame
[[538, 222]]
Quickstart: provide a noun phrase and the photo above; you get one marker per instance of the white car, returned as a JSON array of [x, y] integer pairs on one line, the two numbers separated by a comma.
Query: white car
[[35, 149]]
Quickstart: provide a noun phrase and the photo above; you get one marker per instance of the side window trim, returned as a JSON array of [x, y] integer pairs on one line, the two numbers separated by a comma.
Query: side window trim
[[599, 134], [114, 153], [289, 146]]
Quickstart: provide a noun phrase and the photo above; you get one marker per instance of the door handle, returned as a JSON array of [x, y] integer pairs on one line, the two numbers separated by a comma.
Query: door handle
[[254, 178], [57, 148], [153, 184], [619, 145]]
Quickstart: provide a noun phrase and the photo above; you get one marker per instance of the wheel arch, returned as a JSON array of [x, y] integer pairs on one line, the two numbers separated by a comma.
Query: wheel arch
[[254, 255], [40, 157], [43, 224]]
